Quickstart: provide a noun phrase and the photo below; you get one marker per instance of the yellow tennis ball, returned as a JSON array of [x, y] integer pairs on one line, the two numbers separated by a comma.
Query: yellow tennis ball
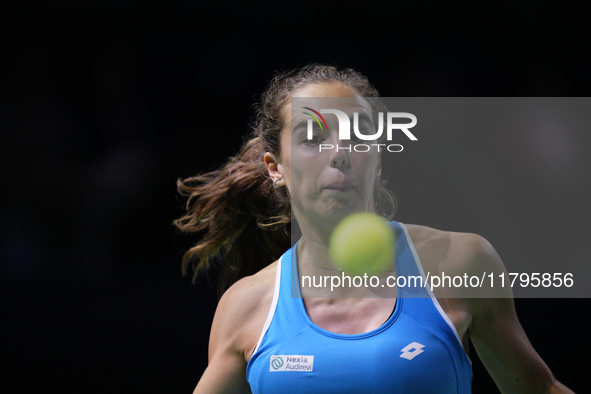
[[362, 243]]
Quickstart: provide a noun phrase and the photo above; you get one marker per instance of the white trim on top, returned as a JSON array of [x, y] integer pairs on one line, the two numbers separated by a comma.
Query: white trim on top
[[273, 305], [433, 298]]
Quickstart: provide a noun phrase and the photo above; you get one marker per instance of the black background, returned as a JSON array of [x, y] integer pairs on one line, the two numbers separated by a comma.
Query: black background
[[105, 104]]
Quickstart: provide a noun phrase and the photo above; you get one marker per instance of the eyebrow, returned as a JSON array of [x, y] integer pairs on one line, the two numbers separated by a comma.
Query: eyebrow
[[303, 123]]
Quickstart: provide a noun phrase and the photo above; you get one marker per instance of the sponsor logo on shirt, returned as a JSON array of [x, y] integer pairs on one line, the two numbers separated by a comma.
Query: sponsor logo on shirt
[[292, 363], [412, 350]]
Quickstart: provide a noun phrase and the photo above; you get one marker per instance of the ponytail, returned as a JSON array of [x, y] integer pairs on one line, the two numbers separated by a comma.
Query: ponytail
[[245, 218]]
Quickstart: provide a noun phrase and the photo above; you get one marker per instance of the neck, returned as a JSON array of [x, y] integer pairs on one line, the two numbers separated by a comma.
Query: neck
[[321, 255]]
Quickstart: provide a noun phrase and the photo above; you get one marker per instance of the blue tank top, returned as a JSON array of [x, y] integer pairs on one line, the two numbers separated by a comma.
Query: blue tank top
[[417, 350]]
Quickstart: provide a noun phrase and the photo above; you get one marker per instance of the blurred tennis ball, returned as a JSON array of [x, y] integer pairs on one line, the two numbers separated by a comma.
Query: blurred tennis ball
[[362, 243]]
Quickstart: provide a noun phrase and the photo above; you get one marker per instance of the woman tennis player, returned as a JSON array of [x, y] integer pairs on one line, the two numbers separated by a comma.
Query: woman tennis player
[[269, 336]]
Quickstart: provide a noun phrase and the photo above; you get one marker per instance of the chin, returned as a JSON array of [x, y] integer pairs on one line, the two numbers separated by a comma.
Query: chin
[[338, 210]]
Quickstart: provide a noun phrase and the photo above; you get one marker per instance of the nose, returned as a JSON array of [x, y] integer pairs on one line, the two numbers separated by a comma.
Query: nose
[[340, 155]]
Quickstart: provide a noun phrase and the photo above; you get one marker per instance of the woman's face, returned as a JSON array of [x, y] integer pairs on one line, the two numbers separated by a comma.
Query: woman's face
[[326, 184]]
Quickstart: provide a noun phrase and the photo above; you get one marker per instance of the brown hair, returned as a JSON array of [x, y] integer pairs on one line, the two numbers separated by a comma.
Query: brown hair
[[244, 217]]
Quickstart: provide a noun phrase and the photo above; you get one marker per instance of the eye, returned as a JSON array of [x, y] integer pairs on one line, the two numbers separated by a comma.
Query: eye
[[316, 139]]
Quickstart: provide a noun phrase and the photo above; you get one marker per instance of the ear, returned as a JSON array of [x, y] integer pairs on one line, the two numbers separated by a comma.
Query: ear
[[272, 165]]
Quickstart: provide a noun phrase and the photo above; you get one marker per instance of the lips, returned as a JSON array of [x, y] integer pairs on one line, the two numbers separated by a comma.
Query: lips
[[341, 186]]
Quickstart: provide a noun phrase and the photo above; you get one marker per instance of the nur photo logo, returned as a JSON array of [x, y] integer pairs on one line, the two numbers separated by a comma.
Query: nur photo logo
[[344, 129]]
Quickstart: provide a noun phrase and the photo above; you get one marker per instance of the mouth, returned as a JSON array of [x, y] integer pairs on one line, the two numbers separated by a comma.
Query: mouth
[[340, 187]]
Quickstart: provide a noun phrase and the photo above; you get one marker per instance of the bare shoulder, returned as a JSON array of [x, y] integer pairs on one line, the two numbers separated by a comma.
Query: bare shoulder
[[434, 237], [453, 249], [456, 253], [242, 312]]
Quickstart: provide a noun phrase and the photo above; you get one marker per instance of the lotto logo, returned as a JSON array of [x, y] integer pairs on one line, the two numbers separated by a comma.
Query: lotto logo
[[412, 350]]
